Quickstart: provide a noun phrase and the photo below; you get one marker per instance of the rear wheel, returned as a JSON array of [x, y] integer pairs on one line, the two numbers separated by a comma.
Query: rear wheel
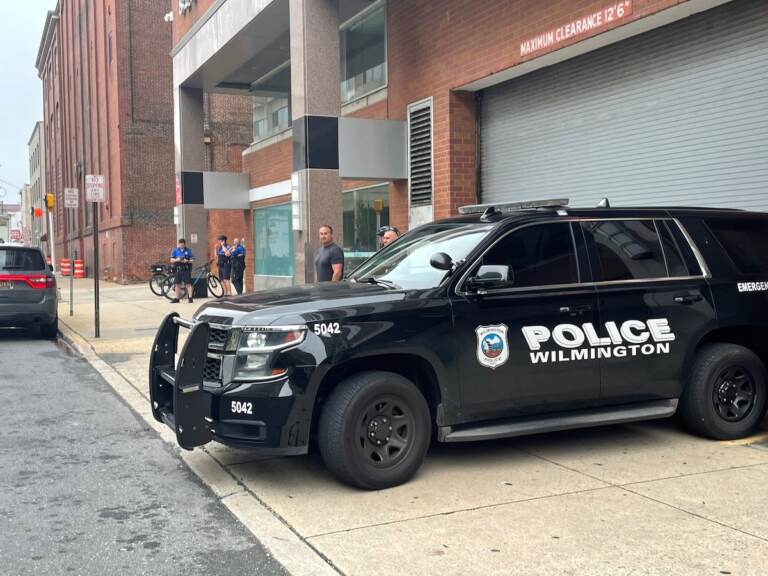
[[50, 331], [725, 396], [374, 430], [169, 289], [215, 287], [156, 283]]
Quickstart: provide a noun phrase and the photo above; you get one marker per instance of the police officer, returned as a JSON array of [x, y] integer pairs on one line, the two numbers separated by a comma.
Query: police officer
[[182, 258], [224, 263], [238, 264]]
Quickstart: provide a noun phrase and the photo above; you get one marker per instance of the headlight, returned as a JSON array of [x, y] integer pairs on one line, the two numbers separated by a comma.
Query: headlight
[[257, 347]]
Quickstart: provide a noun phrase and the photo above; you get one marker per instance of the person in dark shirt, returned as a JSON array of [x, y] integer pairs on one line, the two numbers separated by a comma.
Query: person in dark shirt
[[238, 265], [182, 258], [329, 262], [224, 263]]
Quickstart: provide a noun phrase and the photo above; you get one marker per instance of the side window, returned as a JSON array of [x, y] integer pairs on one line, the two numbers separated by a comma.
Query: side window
[[675, 263], [626, 249], [539, 255], [745, 241]]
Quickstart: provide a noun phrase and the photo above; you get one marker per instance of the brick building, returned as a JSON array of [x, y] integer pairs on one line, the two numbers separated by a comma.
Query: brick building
[[367, 112], [106, 74]]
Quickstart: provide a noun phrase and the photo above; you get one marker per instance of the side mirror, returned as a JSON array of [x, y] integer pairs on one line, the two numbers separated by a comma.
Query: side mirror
[[441, 261], [490, 276]]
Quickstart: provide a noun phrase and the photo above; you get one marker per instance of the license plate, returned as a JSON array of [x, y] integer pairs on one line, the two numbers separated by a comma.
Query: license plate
[[6, 285]]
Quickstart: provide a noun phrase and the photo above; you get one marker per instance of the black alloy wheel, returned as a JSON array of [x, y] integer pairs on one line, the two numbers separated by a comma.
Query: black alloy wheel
[[385, 431], [733, 394], [374, 430]]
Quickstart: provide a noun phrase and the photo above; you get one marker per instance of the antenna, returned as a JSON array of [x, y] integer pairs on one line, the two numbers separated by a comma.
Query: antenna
[[604, 203]]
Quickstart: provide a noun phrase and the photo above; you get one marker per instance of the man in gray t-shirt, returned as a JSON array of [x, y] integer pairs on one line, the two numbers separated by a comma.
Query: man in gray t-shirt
[[329, 262]]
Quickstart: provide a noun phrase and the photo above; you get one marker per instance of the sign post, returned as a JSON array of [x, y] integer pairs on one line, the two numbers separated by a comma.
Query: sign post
[[94, 192], [71, 202]]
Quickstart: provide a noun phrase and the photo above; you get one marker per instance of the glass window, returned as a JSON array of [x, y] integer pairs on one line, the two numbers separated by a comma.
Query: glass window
[[627, 249], [272, 104], [406, 262], [273, 235], [364, 55], [675, 263], [365, 211], [539, 255], [15, 259], [745, 241]]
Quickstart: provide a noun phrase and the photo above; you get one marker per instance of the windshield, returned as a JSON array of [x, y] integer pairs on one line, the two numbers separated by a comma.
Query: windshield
[[405, 263]]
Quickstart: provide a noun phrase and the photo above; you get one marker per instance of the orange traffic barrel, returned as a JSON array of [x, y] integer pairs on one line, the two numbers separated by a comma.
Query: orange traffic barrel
[[79, 269], [64, 266]]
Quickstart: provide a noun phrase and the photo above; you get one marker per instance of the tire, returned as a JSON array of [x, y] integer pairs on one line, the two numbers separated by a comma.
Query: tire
[[215, 287], [368, 404], [169, 289], [725, 395], [156, 284], [50, 331]]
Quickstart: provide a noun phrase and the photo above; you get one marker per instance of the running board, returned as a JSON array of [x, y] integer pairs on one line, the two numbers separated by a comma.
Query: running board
[[559, 421]]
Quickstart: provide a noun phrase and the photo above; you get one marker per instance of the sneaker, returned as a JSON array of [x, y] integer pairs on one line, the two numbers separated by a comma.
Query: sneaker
[[190, 300], [175, 301]]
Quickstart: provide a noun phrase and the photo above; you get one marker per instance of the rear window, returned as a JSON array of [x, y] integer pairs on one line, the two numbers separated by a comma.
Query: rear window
[[12, 259], [745, 241]]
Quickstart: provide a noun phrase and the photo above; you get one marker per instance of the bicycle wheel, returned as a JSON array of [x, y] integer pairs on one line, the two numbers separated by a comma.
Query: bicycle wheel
[[156, 283], [169, 289], [215, 287]]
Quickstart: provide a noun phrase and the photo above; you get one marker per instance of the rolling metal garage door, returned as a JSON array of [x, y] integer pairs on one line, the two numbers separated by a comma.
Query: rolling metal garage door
[[674, 116]]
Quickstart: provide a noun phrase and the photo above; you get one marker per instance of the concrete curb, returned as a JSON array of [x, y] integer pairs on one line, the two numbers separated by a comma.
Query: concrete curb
[[278, 538]]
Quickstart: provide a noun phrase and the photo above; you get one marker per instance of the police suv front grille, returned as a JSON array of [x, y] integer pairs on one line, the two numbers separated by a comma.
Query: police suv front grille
[[217, 338], [212, 370]]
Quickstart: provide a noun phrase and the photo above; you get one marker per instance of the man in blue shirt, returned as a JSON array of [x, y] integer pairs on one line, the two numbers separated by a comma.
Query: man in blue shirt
[[238, 265], [224, 263], [182, 258]]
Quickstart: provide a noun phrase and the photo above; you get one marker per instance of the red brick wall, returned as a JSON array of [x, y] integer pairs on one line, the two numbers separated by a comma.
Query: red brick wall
[[271, 164], [229, 127], [181, 24]]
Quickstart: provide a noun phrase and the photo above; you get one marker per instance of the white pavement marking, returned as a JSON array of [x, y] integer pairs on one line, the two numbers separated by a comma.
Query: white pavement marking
[[297, 556]]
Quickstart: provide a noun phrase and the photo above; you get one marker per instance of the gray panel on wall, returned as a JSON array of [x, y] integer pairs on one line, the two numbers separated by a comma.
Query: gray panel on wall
[[374, 149], [675, 116], [226, 190]]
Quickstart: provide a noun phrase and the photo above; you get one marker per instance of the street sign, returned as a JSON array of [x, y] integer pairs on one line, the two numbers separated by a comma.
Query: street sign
[[94, 188], [17, 235], [71, 197]]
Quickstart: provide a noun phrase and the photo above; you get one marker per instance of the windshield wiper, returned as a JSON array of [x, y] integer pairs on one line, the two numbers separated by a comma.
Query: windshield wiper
[[374, 280]]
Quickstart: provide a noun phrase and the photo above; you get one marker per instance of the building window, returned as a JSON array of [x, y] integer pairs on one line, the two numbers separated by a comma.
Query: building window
[[363, 55], [272, 103], [273, 238], [365, 210]]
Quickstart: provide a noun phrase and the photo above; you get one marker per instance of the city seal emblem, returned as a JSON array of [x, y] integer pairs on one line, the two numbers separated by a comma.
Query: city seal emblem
[[492, 347]]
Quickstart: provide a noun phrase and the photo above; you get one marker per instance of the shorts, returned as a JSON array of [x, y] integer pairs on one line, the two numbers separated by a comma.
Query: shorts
[[225, 271], [183, 276]]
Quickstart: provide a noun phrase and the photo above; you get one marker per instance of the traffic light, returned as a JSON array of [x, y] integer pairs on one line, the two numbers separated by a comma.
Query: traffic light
[[37, 212], [49, 201]]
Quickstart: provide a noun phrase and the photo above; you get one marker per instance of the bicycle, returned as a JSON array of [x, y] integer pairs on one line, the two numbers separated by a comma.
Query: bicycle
[[160, 273], [215, 287]]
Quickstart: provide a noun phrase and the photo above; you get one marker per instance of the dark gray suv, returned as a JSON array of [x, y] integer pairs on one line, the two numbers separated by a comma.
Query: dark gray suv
[[27, 290]]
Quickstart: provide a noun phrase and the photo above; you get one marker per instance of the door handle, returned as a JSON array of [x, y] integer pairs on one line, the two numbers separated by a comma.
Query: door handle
[[687, 298], [575, 310]]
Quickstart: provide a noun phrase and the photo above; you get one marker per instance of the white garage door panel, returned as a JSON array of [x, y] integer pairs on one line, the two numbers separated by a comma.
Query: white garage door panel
[[678, 115]]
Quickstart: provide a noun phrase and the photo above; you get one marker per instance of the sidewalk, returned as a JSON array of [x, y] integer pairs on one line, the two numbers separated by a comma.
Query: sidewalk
[[640, 499]]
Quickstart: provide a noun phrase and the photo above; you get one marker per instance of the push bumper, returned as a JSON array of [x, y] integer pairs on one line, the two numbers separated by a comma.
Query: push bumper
[[262, 420]]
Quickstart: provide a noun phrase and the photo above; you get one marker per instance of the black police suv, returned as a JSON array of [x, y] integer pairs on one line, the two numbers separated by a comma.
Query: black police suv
[[504, 321]]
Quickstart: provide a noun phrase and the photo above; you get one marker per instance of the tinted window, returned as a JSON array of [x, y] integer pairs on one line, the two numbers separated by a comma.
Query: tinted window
[[538, 255], [627, 249], [675, 264], [20, 259], [745, 241]]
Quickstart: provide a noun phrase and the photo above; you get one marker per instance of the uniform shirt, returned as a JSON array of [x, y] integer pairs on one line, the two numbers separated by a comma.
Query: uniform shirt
[[238, 257], [185, 253], [326, 257], [238, 250], [222, 258]]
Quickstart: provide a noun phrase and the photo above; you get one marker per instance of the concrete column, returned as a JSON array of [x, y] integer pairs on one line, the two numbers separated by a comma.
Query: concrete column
[[315, 108], [190, 157]]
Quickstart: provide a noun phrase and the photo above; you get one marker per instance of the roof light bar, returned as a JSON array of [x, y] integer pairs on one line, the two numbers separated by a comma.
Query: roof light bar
[[513, 206]]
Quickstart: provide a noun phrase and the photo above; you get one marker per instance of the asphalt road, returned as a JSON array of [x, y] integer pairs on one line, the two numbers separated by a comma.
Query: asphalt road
[[86, 488]]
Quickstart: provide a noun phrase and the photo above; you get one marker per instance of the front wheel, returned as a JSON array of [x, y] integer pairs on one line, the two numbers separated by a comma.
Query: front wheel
[[169, 289], [215, 287], [156, 283], [725, 396], [374, 430]]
